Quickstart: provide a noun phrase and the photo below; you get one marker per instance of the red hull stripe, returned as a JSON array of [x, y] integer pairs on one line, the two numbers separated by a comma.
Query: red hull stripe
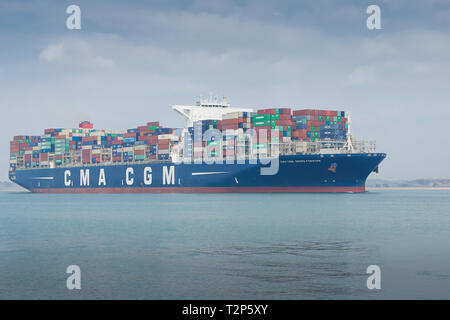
[[200, 189]]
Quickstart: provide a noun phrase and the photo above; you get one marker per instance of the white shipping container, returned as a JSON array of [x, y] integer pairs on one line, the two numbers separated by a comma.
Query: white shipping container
[[231, 115], [165, 136]]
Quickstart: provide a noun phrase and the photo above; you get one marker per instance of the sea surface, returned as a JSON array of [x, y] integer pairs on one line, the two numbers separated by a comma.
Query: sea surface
[[226, 246]]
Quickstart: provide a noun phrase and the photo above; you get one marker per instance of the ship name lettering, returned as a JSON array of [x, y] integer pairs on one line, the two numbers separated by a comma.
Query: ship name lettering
[[84, 177], [101, 177], [67, 180], [169, 175], [147, 176], [128, 176]]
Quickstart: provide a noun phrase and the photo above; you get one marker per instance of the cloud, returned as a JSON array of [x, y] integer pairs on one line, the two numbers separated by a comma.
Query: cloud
[[52, 53], [361, 75], [75, 52]]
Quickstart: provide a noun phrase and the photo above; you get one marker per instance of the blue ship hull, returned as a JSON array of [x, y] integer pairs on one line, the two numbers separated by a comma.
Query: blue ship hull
[[295, 173]]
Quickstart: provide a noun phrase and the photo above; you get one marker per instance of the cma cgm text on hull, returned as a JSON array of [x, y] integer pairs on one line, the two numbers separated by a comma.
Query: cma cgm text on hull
[[221, 149]]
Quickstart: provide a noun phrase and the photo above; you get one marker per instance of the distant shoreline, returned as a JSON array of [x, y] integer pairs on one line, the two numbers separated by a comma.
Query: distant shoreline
[[407, 188]]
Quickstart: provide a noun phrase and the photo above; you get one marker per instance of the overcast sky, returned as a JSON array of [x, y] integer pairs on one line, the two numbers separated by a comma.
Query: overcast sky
[[132, 60]]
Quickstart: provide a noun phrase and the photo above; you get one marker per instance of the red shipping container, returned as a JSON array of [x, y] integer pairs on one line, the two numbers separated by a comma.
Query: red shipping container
[[283, 116], [164, 146], [266, 111], [283, 122], [86, 125], [303, 112], [284, 111], [163, 141], [129, 135], [83, 139], [230, 126], [153, 124], [139, 152], [230, 121]]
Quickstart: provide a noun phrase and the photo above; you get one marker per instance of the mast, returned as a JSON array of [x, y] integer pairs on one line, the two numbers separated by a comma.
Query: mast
[[349, 145]]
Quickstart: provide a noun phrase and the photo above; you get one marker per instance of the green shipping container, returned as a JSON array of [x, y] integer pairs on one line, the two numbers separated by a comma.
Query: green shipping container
[[213, 143], [260, 117], [213, 153], [260, 145], [262, 123], [313, 139], [313, 129], [320, 118], [139, 157]]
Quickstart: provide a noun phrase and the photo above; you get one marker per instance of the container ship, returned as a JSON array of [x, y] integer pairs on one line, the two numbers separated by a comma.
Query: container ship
[[220, 149]]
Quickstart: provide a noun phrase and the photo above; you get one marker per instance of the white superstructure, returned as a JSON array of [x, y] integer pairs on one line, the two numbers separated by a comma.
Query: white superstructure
[[207, 109]]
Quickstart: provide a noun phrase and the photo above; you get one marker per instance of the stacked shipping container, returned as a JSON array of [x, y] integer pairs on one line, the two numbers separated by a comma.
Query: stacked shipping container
[[228, 138]]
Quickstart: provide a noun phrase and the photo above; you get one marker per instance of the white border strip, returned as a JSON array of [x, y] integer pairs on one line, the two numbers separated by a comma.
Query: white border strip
[[204, 173]]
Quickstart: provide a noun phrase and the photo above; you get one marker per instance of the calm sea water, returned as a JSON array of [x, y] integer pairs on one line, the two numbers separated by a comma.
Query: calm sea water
[[225, 246]]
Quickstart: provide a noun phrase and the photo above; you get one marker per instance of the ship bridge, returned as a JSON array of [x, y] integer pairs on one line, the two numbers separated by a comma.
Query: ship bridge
[[207, 109]]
